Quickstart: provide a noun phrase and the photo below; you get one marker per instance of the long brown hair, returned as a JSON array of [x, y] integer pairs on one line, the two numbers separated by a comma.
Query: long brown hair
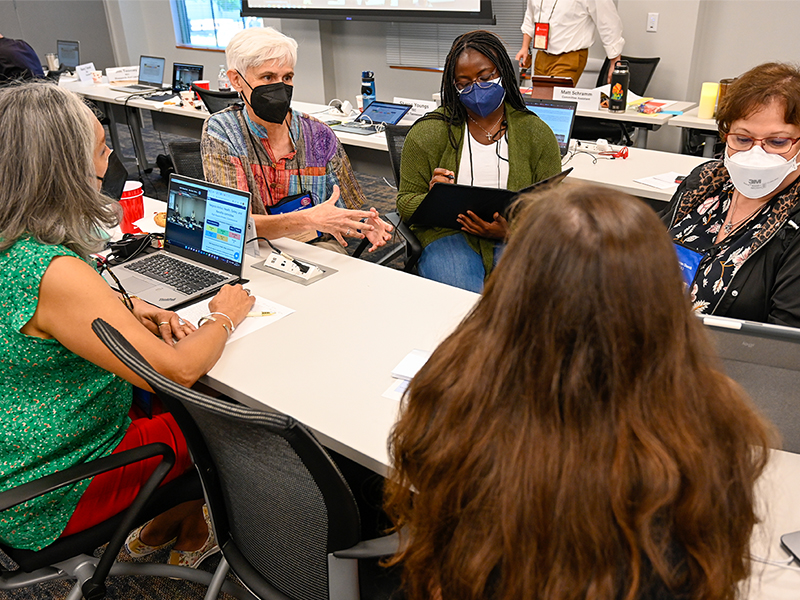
[[574, 438]]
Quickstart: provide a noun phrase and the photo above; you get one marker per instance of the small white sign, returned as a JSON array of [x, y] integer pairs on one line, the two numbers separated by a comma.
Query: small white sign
[[84, 72], [418, 107], [586, 99], [123, 73]]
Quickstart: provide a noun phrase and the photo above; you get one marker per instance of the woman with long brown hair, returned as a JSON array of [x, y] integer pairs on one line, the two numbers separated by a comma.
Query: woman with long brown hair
[[574, 437]]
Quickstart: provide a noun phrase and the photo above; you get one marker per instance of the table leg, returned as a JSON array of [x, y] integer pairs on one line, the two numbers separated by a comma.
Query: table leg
[[708, 146], [134, 117], [641, 137], [112, 125]]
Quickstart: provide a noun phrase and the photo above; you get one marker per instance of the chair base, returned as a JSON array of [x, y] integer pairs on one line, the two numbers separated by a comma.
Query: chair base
[[80, 569]]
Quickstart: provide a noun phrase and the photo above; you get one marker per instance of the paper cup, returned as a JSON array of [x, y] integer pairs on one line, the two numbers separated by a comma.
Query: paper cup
[[187, 96], [360, 102], [97, 76], [52, 62], [203, 83], [132, 203]]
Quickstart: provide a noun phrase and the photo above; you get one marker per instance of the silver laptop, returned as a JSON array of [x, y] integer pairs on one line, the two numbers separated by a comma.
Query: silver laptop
[[765, 360], [374, 117], [151, 76], [203, 245]]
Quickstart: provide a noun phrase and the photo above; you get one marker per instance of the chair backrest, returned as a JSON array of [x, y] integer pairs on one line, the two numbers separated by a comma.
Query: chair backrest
[[395, 138], [186, 158], [641, 70], [216, 101], [278, 503]]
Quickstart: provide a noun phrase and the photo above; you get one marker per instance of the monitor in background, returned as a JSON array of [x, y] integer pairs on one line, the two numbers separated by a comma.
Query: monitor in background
[[69, 54], [559, 116], [762, 358], [184, 75]]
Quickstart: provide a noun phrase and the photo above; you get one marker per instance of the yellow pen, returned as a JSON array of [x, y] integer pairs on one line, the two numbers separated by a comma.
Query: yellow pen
[[261, 313]]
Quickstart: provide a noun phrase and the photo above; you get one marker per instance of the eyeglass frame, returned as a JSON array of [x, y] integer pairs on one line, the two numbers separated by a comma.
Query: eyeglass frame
[[492, 76], [762, 140]]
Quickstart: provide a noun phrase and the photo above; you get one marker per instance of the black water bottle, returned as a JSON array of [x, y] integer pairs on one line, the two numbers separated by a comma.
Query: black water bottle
[[620, 78]]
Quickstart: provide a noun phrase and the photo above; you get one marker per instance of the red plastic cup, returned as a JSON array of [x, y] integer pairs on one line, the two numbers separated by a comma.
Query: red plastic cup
[[203, 83], [132, 203]]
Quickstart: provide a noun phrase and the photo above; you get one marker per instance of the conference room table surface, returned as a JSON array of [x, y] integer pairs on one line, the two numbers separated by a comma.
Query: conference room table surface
[[329, 363]]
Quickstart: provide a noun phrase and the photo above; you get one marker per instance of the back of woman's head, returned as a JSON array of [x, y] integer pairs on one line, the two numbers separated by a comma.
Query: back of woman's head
[[573, 437], [47, 175]]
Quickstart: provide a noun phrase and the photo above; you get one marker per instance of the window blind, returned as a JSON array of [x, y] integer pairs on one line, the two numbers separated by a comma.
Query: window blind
[[426, 44]]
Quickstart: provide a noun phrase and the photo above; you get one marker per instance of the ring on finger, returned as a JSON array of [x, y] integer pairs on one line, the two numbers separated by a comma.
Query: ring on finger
[[163, 323], [347, 232]]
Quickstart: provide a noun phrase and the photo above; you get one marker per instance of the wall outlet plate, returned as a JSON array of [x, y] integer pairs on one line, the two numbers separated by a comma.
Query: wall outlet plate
[[652, 22]]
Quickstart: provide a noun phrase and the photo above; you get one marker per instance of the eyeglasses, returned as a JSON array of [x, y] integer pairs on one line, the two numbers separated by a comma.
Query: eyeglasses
[[771, 145], [483, 82]]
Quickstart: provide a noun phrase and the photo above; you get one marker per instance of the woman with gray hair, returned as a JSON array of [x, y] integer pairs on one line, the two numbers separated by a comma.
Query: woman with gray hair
[[64, 398], [283, 157]]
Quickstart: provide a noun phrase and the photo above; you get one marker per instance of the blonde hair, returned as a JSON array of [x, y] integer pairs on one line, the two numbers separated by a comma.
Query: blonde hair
[[253, 47], [47, 173]]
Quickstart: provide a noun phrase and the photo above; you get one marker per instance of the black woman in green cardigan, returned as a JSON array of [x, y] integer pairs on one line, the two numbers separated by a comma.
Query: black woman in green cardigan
[[482, 135]]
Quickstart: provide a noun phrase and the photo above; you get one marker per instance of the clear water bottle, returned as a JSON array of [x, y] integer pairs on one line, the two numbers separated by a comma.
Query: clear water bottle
[[620, 79], [368, 87], [223, 85]]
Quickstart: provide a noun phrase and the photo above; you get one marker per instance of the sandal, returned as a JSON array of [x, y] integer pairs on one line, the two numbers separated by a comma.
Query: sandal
[[193, 558], [137, 548]]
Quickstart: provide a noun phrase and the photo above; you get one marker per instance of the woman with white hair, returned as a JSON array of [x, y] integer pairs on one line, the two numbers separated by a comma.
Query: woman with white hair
[[283, 157], [64, 398]]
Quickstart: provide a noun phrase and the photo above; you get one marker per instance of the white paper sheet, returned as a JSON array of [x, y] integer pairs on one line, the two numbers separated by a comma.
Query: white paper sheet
[[194, 312], [396, 390], [661, 182]]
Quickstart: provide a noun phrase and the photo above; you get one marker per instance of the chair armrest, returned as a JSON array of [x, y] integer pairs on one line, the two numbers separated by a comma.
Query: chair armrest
[[48, 483], [413, 247], [375, 548]]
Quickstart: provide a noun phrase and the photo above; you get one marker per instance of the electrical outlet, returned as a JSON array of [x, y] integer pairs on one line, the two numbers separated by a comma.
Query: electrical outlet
[[652, 22]]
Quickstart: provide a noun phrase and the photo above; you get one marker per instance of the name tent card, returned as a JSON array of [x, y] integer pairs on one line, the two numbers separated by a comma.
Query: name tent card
[[116, 74], [586, 99], [84, 72], [418, 107]]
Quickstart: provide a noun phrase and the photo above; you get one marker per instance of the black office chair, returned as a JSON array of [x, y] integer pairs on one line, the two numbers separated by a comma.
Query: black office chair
[[186, 159], [285, 519], [617, 132], [71, 557], [217, 101], [395, 139]]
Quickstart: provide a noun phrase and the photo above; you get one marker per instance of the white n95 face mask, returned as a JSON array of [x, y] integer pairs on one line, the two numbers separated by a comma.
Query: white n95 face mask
[[756, 173]]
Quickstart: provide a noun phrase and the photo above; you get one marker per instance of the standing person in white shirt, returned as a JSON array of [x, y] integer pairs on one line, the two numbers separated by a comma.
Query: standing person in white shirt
[[563, 30]]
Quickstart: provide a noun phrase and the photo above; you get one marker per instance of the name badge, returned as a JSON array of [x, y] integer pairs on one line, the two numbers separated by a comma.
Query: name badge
[[541, 35]]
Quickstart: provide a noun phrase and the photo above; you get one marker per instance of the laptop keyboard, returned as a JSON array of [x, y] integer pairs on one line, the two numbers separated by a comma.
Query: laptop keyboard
[[180, 275]]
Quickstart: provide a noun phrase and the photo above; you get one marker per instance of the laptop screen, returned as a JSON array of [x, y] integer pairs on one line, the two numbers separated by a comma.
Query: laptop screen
[[206, 222], [69, 55], [184, 75], [384, 112], [151, 70], [559, 116]]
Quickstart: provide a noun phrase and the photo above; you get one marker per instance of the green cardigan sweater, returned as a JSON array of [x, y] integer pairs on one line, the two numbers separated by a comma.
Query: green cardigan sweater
[[533, 155]]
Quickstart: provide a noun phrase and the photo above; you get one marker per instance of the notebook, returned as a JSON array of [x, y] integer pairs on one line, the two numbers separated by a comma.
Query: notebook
[[559, 116], [151, 76], [203, 245], [374, 117]]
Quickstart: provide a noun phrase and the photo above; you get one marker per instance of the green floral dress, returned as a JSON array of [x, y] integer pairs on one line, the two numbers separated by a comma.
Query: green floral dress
[[56, 408]]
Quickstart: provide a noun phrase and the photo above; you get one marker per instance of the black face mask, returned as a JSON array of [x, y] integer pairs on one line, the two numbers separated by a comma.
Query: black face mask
[[270, 102]]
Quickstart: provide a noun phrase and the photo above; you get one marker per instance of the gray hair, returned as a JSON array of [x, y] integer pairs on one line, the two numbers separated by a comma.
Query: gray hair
[[257, 45], [47, 174]]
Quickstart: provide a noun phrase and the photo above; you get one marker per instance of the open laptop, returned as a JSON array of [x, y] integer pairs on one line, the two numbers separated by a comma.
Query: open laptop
[[69, 54], [763, 359], [559, 116], [184, 75], [151, 76], [374, 117], [203, 245]]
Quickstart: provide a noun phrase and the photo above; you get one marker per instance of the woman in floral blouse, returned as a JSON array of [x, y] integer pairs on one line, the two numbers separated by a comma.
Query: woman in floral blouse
[[740, 215]]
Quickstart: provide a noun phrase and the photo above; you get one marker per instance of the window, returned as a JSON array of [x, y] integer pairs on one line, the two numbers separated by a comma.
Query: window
[[209, 23]]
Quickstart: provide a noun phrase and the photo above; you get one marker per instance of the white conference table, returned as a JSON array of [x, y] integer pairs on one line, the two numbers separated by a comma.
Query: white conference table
[[690, 120]]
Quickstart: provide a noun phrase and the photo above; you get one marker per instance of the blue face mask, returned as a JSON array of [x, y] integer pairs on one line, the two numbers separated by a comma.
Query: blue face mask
[[484, 97]]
